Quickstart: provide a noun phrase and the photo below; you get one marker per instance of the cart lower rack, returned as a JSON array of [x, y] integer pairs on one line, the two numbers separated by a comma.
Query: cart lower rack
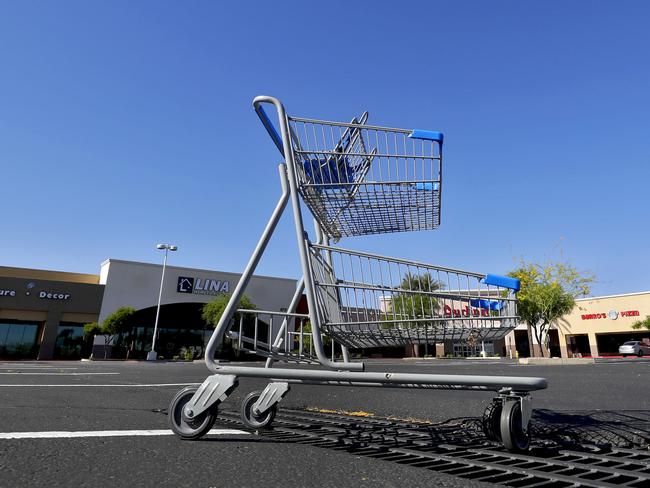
[[358, 179]]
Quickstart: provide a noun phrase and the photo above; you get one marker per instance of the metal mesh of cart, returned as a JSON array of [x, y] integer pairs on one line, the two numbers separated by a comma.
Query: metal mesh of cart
[[364, 300], [359, 179]]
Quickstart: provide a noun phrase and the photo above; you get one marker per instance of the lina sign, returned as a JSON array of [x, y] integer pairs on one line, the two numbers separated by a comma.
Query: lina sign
[[201, 286]]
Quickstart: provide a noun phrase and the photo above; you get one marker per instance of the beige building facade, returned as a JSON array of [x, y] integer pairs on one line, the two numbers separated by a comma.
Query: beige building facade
[[596, 327]]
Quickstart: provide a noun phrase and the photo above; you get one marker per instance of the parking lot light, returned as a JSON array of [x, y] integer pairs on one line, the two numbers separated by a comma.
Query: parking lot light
[[152, 355]]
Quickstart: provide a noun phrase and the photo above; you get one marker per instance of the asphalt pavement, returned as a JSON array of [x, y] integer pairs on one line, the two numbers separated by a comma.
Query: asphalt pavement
[[41, 398]]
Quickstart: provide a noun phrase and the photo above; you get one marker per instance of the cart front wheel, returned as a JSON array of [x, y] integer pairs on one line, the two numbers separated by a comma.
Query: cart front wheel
[[492, 420], [197, 427], [515, 437], [250, 419]]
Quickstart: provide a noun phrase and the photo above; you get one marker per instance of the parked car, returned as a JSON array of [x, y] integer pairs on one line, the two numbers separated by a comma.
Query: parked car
[[634, 347]]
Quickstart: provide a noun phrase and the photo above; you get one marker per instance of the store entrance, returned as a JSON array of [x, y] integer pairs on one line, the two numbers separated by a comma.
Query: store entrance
[[578, 346], [521, 343], [554, 343], [182, 334]]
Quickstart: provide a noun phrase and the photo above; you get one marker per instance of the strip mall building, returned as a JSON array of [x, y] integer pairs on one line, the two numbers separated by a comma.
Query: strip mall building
[[42, 313], [596, 327]]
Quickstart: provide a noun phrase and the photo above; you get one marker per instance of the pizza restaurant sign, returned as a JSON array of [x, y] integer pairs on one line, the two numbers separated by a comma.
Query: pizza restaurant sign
[[612, 314]]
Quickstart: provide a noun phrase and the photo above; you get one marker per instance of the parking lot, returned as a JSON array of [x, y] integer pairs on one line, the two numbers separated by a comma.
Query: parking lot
[[104, 423]]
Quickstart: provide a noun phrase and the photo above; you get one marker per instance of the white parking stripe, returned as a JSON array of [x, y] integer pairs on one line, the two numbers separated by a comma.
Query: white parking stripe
[[135, 385], [105, 433], [56, 374], [31, 368]]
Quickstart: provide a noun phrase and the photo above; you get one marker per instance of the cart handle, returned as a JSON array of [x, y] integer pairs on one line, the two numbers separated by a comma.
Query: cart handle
[[268, 125], [502, 281]]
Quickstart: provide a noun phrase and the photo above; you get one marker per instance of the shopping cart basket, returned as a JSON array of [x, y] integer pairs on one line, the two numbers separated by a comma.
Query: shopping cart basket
[[364, 300], [358, 179]]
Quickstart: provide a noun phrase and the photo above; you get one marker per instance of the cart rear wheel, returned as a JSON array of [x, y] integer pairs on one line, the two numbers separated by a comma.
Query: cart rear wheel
[[515, 437], [262, 421], [197, 427], [492, 421]]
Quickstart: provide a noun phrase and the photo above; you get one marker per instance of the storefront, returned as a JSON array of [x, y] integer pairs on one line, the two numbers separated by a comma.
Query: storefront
[[42, 313], [595, 328], [184, 292]]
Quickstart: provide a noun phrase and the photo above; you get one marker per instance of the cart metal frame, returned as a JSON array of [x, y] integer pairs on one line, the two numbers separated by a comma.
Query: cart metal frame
[[338, 186]]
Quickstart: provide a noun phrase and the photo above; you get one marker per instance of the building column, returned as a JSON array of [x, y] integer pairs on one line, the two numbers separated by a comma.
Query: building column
[[564, 347], [593, 345], [50, 331], [511, 345]]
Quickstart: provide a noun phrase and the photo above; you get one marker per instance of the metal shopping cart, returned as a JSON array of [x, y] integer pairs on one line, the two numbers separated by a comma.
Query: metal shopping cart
[[358, 179]]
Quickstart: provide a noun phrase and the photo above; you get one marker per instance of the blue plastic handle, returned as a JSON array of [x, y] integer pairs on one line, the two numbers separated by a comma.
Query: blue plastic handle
[[270, 128], [502, 281], [428, 135]]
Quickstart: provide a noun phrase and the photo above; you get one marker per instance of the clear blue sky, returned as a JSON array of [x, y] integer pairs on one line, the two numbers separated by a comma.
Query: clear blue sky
[[124, 124]]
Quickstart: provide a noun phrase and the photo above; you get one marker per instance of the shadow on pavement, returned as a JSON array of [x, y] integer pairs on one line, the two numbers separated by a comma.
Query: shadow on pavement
[[628, 428]]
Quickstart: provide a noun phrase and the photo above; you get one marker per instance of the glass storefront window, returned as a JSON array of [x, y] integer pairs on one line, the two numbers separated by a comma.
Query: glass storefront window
[[18, 339], [69, 341], [464, 350]]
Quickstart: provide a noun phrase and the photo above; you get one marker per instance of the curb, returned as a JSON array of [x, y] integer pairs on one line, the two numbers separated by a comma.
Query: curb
[[555, 361]]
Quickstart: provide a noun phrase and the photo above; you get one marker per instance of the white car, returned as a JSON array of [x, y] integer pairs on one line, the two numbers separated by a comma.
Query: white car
[[634, 347]]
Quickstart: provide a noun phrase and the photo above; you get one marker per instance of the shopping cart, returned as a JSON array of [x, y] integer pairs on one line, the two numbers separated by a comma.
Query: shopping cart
[[357, 179]]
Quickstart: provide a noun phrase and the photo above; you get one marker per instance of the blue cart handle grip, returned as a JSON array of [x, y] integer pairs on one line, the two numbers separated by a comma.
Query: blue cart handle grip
[[270, 128]]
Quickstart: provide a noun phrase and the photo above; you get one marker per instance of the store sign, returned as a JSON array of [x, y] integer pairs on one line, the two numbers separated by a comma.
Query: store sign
[[612, 314], [47, 295], [630, 313], [593, 316], [201, 286], [465, 312]]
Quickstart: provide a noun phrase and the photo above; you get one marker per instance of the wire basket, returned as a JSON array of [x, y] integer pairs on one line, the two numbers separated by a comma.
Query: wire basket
[[365, 300], [359, 179]]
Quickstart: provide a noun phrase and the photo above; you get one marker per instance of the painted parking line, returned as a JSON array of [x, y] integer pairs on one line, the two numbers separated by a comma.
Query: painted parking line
[[105, 433], [33, 368], [135, 385], [55, 374]]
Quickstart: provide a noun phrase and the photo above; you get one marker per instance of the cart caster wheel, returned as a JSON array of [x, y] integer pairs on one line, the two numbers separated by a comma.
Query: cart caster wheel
[[194, 429], [515, 438], [492, 421], [249, 418]]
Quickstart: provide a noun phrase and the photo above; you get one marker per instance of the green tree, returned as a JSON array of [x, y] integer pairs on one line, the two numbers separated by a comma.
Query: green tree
[[119, 322], [91, 329], [547, 293], [642, 324], [415, 300], [213, 310]]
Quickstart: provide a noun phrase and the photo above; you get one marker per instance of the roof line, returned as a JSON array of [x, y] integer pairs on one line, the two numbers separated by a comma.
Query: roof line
[[614, 296], [183, 268]]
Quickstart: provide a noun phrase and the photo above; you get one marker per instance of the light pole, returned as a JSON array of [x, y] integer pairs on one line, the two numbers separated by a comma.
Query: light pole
[[152, 355]]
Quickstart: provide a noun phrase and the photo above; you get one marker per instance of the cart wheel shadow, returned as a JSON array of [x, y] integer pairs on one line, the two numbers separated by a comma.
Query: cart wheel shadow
[[600, 428], [550, 429], [603, 428]]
